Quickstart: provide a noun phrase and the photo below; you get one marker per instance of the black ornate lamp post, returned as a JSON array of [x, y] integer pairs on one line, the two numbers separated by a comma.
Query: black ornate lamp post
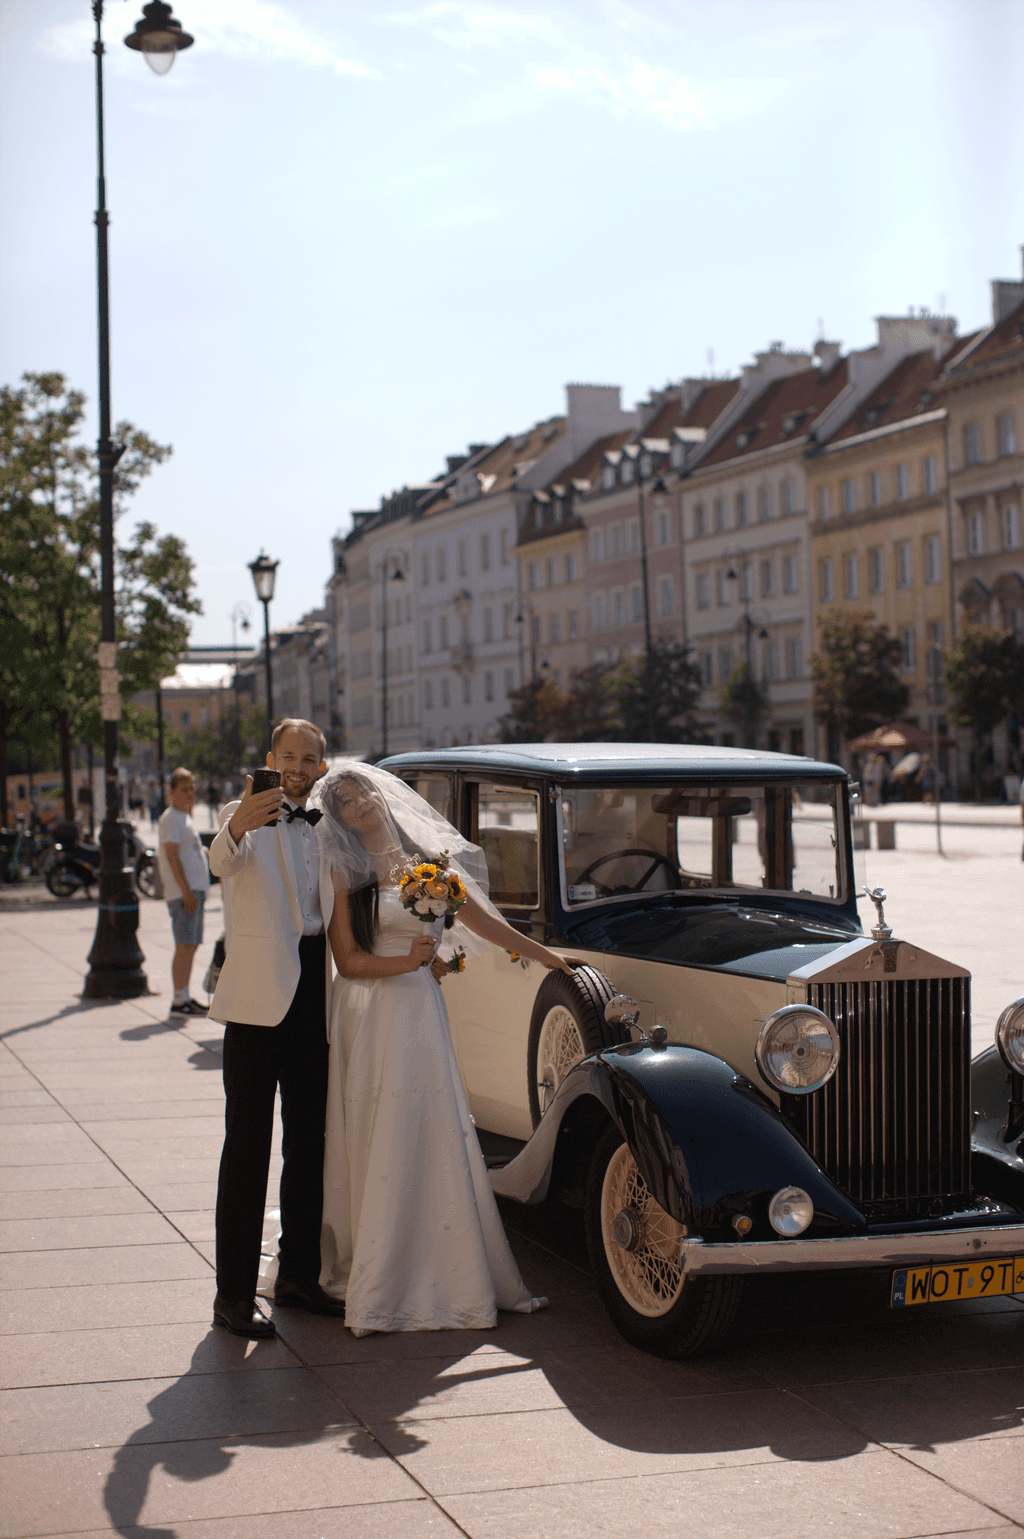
[[239, 615], [115, 961], [264, 574], [392, 566]]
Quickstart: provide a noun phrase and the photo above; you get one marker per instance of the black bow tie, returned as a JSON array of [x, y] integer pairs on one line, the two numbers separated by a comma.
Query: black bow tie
[[312, 817]]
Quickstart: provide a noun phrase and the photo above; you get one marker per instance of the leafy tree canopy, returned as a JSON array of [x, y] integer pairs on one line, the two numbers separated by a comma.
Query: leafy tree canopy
[[856, 687]]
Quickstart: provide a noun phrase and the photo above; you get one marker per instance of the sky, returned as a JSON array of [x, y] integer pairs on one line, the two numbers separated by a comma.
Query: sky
[[349, 239]]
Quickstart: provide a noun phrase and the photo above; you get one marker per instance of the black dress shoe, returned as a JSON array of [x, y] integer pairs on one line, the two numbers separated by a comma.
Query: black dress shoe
[[240, 1318], [308, 1296]]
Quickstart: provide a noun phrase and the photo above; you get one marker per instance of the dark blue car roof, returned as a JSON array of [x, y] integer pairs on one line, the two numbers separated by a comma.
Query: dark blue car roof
[[620, 761]]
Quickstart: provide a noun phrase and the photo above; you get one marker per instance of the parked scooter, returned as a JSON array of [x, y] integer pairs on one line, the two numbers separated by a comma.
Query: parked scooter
[[76, 867]]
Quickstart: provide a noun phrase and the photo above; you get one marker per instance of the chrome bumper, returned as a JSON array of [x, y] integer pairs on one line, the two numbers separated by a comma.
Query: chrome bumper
[[851, 1251]]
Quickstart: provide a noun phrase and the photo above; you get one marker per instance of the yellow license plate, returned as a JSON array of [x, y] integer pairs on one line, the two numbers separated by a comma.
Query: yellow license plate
[[957, 1280]]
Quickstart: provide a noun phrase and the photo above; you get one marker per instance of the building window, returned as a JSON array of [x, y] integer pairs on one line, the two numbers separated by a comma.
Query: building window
[[723, 595], [510, 681], [706, 669], [616, 541], [535, 630], [570, 568], [908, 637], [851, 576], [824, 502], [627, 470], [846, 494], [597, 545], [788, 498], [636, 607], [600, 611], [665, 597], [699, 522], [442, 564], [488, 686], [703, 596], [488, 623], [504, 547], [876, 569], [1011, 526], [428, 636], [931, 474], [794, 660], [446, 694], [933, 559], [185, 719], [972, 444], [764, 503], [574, 624], [746, 581], [463, 558], [976, 533], [428, 696], [552, 573], [608, 477], [742, 510], [902, 483], [507, 620], [485, 553], [724, 664], [554, 628], [904, 564], [533, 576], [826, 582], [424, 570], [791, 574], [634, 536], [663, 528], [467, 690], [618, 607], [719, 515], [772, 659], [876, 488], [1005, 434], [767, 579]]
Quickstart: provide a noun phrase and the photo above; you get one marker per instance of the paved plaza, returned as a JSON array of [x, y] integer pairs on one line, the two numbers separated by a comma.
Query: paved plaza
[[124, 1412]]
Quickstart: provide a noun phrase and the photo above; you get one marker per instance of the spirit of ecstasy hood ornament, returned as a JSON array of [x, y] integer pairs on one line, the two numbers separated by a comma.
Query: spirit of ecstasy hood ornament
[[881, 930]]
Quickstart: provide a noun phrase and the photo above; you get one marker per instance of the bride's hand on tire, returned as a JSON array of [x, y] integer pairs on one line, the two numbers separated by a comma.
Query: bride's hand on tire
[[561, 964], [421, 952]]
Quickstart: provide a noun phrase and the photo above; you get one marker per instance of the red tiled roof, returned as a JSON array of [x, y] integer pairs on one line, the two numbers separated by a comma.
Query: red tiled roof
[[1003, 343], [706, 408], [800, 396], [904, 393], [519, 449]]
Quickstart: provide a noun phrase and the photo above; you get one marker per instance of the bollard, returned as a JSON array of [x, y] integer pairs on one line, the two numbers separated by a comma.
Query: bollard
[[885, 834]]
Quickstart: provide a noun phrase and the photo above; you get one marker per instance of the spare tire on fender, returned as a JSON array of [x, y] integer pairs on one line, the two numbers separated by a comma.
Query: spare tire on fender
[[567, 1024]]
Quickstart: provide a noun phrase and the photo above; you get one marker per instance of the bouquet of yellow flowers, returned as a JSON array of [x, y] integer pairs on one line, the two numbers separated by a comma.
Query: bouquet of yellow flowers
[[430, 890]]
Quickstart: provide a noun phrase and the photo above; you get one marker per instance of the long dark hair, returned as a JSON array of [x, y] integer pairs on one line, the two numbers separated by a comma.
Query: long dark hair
[[364, 914]]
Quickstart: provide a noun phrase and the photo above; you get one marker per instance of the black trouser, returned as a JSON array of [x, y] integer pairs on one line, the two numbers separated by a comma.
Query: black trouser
[[256, 1060]]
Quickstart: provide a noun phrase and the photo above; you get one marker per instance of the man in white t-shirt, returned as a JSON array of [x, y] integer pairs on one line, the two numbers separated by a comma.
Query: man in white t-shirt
[[186, 877]]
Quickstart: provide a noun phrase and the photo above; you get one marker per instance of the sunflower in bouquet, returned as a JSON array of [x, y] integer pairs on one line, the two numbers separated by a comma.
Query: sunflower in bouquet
[[431, 889]]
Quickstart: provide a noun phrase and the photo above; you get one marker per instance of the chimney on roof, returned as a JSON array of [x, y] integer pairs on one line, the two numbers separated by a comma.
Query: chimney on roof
[[1007, 294], [902, 334], [455, 462], [476, 448], [591, 412], [826, 354]]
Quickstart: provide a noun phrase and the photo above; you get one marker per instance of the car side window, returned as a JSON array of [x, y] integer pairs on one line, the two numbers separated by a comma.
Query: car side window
[[507, 824], [435, 789]]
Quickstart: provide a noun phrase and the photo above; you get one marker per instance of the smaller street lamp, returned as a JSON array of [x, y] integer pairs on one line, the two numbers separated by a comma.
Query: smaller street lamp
[[392, 566], [158, 37], [264, 573]]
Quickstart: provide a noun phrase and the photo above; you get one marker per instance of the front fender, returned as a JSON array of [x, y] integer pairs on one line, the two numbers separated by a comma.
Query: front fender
[[997, 1161], [707, 1144]]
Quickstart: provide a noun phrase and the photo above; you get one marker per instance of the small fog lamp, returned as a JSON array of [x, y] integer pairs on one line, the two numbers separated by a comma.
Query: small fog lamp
[[742, 1224], [790, 1211], [1010, 1036]]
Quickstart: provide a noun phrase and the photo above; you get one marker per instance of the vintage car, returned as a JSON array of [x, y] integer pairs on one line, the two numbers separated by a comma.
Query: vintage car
[[802, 1095]]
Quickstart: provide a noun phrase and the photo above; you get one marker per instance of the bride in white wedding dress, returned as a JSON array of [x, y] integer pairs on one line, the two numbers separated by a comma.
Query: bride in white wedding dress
[[411, 1239]]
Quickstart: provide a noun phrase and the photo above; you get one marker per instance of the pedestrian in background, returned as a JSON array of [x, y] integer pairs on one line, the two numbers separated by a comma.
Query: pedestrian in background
[[186, 877]]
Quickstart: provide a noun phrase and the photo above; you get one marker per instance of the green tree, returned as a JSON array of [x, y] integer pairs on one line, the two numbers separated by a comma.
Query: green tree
[[49, 557], [745, 702], [985, 678], [536, 714], [656, 699], [854, 673]]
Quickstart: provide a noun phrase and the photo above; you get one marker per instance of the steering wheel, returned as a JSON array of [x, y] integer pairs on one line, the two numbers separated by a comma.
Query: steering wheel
[[655, 859]]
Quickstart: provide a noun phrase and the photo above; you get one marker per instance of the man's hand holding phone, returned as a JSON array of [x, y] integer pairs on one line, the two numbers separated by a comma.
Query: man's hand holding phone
[[260, 804]]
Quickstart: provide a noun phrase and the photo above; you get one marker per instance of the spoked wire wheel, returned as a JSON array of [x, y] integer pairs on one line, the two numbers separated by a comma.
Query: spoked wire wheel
[[641, 1241], [559, 1048]]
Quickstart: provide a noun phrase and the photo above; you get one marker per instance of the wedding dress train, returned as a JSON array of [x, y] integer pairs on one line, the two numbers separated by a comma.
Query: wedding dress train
[[412, 1238]]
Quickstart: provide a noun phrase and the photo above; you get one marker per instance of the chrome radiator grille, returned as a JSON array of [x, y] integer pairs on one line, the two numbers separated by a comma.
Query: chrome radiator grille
[[892, 1126]]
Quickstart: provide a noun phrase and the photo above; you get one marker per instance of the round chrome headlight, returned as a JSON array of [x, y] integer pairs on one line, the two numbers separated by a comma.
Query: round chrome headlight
[[1010, 1036], [797, 1049], [790, 1211]]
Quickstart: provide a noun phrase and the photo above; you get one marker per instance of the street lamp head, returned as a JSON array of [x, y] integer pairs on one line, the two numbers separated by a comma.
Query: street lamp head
[[263, 572], [732, 574], [158, 36]]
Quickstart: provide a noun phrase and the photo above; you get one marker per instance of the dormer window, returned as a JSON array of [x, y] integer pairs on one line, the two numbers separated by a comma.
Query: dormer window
[[677, 455], [646, 465], [789, 423], [627, 471], [742, 440], [608, 478]]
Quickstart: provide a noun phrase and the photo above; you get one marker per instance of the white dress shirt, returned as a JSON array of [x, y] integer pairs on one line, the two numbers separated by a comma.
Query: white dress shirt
[[306, 857]]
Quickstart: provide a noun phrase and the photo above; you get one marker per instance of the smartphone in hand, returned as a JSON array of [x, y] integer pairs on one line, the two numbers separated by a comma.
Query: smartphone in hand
[[266, 780]]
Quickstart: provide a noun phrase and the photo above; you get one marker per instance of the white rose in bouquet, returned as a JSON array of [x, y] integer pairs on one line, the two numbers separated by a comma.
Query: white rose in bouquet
[[423, 906], [439, 906]]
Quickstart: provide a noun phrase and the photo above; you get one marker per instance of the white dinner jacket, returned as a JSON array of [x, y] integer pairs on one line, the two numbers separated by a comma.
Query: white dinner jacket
[[261, 968]]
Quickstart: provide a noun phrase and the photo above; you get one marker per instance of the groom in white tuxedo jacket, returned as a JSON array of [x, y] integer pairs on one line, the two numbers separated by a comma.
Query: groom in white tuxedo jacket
[[274, 997]]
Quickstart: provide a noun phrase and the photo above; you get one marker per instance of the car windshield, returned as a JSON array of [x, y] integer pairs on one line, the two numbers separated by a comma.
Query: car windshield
[[783, 837]]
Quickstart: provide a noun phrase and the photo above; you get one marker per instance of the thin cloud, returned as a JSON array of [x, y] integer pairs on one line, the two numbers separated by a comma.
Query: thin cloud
[[251, 29]]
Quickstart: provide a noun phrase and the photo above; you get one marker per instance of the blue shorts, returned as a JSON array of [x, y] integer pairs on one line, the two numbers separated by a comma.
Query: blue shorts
[[187, 928]]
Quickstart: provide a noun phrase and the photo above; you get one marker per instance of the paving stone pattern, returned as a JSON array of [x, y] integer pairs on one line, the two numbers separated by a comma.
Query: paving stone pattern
[[123, 1411]]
